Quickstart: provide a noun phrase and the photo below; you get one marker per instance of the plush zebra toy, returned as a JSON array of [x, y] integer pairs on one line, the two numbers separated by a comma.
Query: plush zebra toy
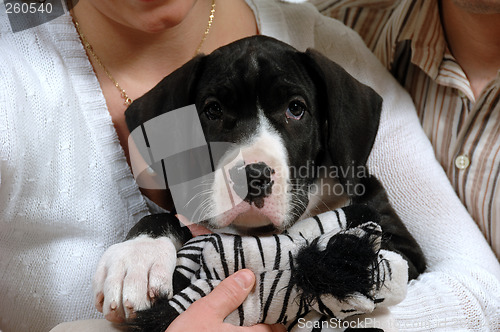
[[330, 266]]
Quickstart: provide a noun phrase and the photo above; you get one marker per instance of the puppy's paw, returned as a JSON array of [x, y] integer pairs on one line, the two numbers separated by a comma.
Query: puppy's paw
[[131, 274]]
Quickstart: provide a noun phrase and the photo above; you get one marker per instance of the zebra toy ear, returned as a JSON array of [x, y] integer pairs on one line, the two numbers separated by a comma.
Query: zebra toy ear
[[331, 264]]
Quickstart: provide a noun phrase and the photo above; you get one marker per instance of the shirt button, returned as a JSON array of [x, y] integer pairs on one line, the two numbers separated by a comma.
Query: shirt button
[[461, 94], [462, 162]]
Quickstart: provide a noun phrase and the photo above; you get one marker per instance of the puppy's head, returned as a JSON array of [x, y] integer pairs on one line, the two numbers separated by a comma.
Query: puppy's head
[[285, 114]]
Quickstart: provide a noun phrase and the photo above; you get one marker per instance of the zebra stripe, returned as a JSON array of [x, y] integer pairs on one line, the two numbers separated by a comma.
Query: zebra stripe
[[259, 244], [277, 257], [271, 295], [320, 226]]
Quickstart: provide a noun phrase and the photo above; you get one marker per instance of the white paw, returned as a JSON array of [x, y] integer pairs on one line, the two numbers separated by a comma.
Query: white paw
[[131, 274]]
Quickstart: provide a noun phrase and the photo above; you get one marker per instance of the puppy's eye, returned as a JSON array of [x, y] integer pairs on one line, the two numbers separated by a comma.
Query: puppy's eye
[[295, 110], [213, 110]]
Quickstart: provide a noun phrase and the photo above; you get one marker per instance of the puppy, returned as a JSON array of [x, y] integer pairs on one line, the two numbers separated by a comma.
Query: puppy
[[301, 129]]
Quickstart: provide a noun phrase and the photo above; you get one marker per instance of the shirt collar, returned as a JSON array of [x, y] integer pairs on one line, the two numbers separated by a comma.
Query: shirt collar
[[422, 26]]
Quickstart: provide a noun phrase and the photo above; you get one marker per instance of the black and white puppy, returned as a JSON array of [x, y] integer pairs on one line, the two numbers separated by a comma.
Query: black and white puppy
[[285, 111]]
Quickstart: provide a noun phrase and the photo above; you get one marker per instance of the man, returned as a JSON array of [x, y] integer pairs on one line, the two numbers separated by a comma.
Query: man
[[446, 53]]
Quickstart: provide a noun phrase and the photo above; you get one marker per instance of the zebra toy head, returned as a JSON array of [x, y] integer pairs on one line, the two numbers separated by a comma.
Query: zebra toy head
[[323, 268]]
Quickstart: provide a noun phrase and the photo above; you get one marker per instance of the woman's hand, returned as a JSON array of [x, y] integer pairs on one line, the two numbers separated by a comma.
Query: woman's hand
[[208, 313]]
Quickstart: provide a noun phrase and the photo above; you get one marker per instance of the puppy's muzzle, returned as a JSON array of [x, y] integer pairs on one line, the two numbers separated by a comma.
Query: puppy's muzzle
[[258, 183]]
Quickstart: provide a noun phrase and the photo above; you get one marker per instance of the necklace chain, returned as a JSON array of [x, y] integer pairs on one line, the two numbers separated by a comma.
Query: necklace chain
[[207, 30], [90, 49], [123, 93]]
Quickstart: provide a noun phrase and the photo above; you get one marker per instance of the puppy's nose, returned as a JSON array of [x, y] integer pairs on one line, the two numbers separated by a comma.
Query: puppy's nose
[[258, 184]]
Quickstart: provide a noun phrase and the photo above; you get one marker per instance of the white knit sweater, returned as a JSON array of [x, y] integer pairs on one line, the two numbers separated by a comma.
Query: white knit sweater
[[66, 192]]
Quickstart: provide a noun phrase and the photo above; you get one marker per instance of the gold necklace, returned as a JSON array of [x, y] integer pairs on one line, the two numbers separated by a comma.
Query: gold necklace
[[207, 30], [123, 93]]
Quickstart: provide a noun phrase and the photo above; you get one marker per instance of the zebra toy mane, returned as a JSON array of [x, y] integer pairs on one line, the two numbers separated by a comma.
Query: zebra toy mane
[[329, 266]]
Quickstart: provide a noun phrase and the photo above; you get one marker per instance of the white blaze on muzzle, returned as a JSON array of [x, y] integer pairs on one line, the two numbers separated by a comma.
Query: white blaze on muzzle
[[265, 149]]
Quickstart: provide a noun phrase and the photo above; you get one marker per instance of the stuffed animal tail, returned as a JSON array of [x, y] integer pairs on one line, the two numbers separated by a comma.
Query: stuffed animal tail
[[341, 267], [348, 274]]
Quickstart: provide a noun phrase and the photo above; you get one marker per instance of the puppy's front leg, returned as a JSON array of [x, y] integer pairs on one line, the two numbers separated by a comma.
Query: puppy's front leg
[[396, 236], [131, 274]]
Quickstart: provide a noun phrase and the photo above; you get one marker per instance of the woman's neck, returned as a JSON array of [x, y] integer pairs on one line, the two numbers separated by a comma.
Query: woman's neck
[[122, 48], [133, 55]]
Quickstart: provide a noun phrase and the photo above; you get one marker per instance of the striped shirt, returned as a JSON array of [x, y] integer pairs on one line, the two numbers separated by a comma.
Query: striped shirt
[[408, 38]]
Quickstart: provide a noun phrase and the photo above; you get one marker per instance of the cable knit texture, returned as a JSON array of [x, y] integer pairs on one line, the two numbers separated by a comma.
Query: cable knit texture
[[66, 192]]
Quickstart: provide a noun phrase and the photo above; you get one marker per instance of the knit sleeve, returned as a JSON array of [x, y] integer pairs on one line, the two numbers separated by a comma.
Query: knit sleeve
[[3, 118], [460, 289]]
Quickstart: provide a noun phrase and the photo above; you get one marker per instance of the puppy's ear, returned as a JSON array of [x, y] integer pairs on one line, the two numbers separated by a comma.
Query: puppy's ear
[[174, 91], [352, 112]]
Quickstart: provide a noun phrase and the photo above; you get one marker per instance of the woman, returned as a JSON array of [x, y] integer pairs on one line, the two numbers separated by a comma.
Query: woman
[[66, 191]]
